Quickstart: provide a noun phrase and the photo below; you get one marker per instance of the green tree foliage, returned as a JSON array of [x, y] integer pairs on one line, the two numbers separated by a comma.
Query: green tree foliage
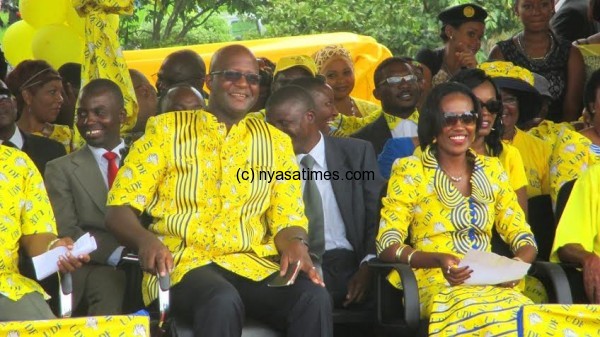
[[161, 23], [404, 26]]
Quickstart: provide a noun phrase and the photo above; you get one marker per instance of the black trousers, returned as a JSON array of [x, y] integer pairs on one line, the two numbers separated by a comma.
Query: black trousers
[[215, 302]]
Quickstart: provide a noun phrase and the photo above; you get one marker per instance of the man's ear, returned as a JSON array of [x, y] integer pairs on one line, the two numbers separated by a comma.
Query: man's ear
[[376, 94], [311, 116], [208, 82], [122, 116]]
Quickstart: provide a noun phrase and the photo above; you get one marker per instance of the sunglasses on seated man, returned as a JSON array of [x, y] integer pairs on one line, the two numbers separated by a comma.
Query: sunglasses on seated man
[[392, 80], [234, 76]]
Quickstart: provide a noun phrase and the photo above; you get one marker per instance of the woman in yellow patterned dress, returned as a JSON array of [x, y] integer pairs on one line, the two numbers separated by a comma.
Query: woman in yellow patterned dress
[[38, 90], [446, 203], [335, 64]]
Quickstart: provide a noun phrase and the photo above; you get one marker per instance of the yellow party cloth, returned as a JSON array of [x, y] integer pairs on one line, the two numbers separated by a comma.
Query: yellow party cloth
[[97, 326]]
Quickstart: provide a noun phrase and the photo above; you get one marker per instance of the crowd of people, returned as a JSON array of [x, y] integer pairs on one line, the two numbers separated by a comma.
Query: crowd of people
[[452, 153]]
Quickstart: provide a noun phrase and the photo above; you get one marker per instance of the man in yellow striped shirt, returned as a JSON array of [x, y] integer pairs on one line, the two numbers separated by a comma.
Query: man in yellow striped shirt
[[221, 232]]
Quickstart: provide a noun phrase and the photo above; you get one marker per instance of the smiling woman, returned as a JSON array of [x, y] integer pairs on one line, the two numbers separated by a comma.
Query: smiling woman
[[38, 90], [335, 64], [449, 200]]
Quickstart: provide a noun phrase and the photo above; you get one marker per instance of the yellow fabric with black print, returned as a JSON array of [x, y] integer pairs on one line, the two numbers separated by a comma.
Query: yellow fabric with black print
[[24, 210], [550, 132], [553, 320], [536, 159], [571, 157], [103, 56], [423, 205], [97, 326], [62, 134], [185, 172]]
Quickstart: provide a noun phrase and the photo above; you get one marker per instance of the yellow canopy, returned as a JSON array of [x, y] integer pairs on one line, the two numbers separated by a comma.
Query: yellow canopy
[[366, 53]]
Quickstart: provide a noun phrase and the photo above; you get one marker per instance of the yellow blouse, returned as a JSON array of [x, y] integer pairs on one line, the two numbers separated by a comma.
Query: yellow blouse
[[571, 157], [24, 210], [549, 131], [201, 184], [344, 126], [62, 134], [580, 221], [511, 160], [423, 205], [536, 158], [365, 107]]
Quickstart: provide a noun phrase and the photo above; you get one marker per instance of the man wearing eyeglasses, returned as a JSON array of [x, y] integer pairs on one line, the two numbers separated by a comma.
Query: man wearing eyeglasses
[[397, 87], [221, 235], [181, 67], [39, 149]]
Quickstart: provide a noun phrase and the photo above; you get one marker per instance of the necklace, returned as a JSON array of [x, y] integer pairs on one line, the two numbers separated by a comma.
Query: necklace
[[453, 178], [353, 108], [543, 58]]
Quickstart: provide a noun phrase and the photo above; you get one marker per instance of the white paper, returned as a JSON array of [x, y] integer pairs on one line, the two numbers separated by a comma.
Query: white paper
[[46, 264], [490, 268]]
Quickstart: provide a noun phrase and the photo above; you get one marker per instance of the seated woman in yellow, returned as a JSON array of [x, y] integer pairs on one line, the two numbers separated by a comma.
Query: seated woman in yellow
[[28, 223], [521, 103], [335, 63], [446, 203], [575, 152], [38, 90], [488, 141]]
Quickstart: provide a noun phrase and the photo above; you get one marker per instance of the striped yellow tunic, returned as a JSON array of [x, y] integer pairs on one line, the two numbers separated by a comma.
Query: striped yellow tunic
[[187, 173]]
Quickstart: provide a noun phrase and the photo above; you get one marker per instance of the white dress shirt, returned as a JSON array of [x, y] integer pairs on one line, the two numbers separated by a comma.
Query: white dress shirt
[[17, 139], [102, 162], [335, 230], [405, 128]]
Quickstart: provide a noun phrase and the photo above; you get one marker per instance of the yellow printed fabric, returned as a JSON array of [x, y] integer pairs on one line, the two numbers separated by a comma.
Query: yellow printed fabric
[[103, 56], [536, 158], [552, 320], [511, 160], [97, 326], [424, 206], [550, 132], [344, 126], [580, 221], [260, 114], [571, 157], [365, 107], [201, 184], [591, 57], [62, 134], [24, 210]]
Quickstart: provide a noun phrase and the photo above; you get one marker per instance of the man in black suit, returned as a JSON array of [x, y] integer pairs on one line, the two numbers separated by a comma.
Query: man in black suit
[[39, 149], [350, 205], [397, 87]]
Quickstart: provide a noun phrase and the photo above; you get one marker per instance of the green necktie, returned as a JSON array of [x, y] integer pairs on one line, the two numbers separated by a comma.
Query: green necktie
[[313, 208]]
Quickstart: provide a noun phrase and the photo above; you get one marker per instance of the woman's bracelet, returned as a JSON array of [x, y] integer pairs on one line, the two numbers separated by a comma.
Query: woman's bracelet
[[52, 243], [399, 252], [410, 256], [301, 239]]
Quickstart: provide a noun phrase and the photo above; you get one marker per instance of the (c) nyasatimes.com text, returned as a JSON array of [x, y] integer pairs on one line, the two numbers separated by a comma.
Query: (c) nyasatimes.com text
[[251, 174]]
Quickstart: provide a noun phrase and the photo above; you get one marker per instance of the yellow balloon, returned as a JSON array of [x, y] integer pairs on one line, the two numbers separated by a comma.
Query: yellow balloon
[[57, 44], [39, 13], [74, 21], [16, 42]]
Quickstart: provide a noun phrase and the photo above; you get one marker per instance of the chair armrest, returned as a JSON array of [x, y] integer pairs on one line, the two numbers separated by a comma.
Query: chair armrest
[[554, 279], [65, 294], [389, 305]]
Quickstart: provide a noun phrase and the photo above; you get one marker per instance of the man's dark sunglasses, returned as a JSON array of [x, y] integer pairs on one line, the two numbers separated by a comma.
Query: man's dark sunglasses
[[234, 76]]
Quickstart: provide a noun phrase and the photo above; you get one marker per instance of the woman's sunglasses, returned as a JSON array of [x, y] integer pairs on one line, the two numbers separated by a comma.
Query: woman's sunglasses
[[466, 118], [234, 76], [493, 106]]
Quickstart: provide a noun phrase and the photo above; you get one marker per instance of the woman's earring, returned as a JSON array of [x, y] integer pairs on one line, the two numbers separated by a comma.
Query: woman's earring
[[451, 37]]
